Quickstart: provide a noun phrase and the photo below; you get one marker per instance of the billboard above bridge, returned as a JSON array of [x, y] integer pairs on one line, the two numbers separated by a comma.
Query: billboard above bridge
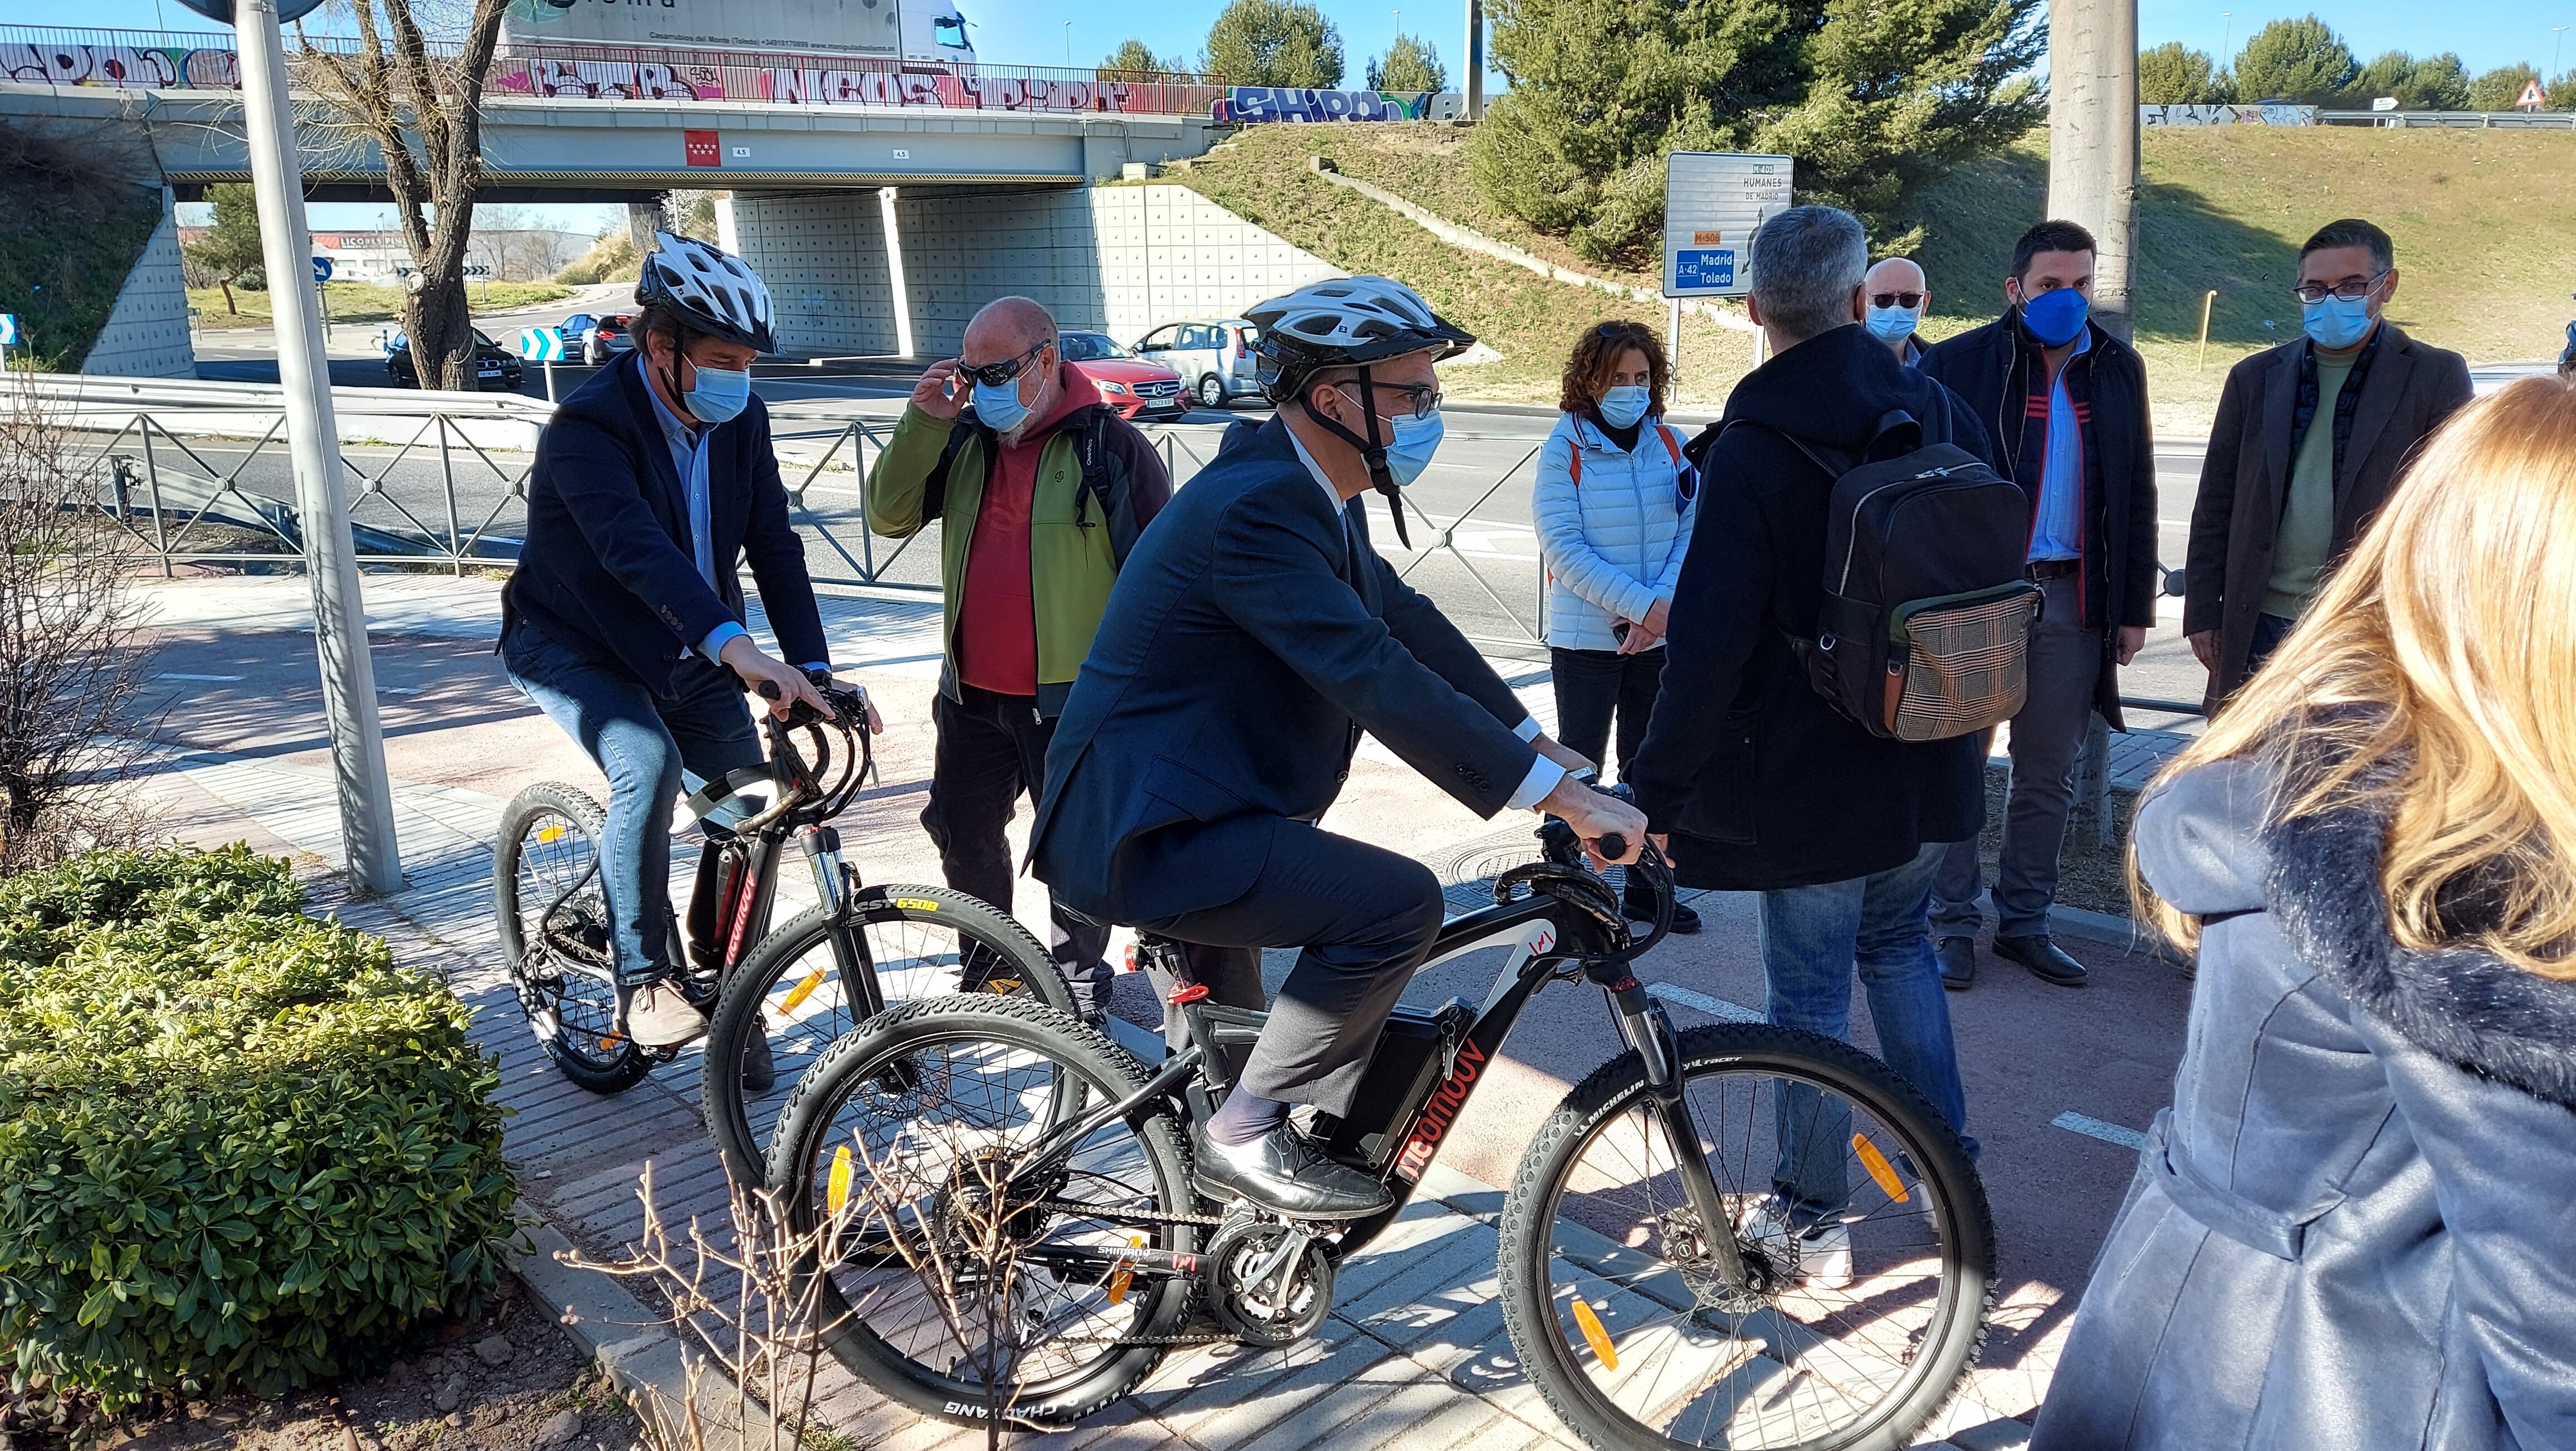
[[930, 30]]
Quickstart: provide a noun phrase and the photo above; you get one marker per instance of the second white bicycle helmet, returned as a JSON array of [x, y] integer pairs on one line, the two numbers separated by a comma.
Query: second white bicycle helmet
[[710, 291]]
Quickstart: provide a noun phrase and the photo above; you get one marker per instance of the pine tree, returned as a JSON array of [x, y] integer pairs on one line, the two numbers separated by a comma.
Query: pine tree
[[1409, 67], [230, 247], [1135, 60], [2498, 89], [2301, 61], [1274, 43], [2171, 75]]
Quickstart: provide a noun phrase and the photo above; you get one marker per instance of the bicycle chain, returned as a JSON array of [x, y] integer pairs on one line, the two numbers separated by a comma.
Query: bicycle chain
[[1150, 1216], [1204, 1221]]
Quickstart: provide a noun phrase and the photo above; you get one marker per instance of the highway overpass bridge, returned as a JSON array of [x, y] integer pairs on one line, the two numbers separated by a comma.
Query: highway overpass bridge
[[882, 207]]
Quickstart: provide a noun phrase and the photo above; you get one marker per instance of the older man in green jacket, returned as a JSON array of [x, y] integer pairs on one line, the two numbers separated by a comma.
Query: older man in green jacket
[[1040, 490]]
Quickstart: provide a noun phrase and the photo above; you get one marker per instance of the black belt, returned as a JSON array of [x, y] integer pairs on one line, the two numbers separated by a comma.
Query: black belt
[[2051, 568]]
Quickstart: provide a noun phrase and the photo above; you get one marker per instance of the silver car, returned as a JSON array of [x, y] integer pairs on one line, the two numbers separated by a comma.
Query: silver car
[[1214, 358]]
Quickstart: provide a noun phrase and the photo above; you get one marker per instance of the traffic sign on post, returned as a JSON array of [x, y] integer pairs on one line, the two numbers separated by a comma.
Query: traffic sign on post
[[2531, 98], [541, 345], [1713, 202], [321, 269], [8, 338]]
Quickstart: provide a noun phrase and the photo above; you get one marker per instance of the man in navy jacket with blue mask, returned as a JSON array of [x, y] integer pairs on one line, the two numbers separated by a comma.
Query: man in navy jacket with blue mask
[[624, 618], [1252, 636]]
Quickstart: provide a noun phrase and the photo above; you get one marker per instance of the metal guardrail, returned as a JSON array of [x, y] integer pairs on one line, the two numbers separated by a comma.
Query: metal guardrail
[[2456, 120]]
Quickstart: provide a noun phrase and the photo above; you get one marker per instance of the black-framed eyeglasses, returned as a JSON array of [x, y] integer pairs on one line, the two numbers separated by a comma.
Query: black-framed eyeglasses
[[1907, 300], [994, 375], [2351, 289], [1423, 398]]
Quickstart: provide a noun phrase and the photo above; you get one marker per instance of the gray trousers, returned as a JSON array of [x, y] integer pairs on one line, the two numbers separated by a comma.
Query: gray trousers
[[2048, 734]]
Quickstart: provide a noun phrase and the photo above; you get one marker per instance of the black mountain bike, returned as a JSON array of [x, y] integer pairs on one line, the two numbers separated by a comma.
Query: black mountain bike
[[778, 997], [1736, 1235]]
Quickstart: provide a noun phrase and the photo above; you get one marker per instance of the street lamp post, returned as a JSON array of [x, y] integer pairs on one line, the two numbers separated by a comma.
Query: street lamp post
[[313, 438]]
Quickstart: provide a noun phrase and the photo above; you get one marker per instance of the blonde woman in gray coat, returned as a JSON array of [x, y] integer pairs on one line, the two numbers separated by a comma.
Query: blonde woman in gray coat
[[2356, 1225]]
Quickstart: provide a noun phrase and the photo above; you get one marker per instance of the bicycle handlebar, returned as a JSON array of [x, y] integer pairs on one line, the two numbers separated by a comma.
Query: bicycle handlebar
[[814, 782]]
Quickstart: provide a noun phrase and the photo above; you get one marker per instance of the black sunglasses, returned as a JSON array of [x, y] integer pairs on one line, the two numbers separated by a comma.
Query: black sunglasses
[[1907, 300], [994, 375]]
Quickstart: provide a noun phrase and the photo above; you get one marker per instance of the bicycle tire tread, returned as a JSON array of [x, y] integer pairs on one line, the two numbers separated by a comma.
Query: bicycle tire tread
[[562, 799]]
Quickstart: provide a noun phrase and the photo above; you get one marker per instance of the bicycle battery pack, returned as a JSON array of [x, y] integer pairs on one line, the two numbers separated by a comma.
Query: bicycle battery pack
[[1410, 1058]]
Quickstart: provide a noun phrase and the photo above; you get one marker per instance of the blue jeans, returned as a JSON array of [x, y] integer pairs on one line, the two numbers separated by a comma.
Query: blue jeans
[[649, 745], [1812, 937]]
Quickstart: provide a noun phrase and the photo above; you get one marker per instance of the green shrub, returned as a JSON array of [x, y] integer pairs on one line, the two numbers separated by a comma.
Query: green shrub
[[238, 1147]]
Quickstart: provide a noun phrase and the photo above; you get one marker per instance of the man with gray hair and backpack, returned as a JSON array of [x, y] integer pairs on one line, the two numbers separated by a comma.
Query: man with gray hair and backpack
[[1040, 490], [1849, 525]]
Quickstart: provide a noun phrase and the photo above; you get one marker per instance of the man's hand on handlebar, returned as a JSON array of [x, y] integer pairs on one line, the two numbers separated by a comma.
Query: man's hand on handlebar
[[1595, 814], [822, 680], [788, 684], [1572, 760]]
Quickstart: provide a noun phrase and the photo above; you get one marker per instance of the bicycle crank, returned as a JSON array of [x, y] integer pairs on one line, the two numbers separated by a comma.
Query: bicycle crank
[[1267, 1283]]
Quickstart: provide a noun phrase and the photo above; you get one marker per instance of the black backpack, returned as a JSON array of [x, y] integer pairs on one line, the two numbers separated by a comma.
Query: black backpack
[[1104, 476], [1924, 631]]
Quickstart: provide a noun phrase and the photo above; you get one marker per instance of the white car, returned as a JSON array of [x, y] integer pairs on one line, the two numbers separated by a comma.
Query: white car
[[1214, 358]]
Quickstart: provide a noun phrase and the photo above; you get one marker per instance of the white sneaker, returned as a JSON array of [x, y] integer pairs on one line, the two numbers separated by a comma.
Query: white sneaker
[[658, 1016], [1821, 1253]]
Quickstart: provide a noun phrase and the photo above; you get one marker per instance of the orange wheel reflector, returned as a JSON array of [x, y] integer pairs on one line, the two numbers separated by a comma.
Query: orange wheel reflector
[[1878, 1167], [610, 1042], [550, 833], [837, 1192], [797, 995], [1006, 986], [1126, 1275], [1594, 1335]]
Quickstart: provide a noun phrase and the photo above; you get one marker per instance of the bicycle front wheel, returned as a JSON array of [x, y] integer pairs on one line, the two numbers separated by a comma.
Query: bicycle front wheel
[[1866, 1244], [802, 987]]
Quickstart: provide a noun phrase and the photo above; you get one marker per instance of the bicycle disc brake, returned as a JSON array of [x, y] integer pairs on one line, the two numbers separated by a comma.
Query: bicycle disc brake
[[1267, 1283]]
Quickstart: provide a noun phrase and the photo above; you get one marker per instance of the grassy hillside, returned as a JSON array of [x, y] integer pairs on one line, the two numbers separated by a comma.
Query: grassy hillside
[[72, 224], [364, 302], [1262, 177], [2485, 223]]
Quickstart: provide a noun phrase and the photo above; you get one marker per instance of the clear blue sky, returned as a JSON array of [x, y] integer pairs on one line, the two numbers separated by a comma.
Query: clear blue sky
[[2485, 33]]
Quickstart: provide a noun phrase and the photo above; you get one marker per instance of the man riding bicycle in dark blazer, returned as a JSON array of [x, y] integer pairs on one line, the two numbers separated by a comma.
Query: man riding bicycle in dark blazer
[[1252, 637], [624, 619]]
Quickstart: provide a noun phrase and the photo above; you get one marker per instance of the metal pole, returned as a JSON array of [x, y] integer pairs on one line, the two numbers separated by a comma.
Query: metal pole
[[2093, 140], [1673, 351], [313, 435], [2207, 301], [894, 272], [1475, 60], [447, 478]]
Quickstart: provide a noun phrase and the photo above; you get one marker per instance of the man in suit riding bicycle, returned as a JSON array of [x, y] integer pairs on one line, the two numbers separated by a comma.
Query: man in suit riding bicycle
[[1252, 637]]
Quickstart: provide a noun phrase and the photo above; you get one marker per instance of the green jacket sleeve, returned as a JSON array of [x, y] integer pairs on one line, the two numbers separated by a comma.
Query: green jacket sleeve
[[895, 480]]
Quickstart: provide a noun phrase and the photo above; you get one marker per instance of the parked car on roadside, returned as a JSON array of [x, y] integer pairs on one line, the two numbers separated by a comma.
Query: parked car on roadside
[[610, 334], [495, 368], [1213, 357], [1126, 382]]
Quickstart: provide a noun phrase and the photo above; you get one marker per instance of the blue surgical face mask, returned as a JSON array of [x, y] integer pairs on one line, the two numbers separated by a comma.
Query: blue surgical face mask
[[1623, 406], [1410, 451], [2336, 322], [2055, 316], [1887, 324], [1001, 408], [718, 394]]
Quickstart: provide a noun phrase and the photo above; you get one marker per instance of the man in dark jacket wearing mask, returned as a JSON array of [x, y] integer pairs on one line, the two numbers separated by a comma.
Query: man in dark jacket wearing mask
[[1761, 783], [2066, 405]]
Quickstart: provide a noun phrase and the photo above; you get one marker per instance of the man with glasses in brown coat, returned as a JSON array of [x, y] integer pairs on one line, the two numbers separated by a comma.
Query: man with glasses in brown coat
[[2309, 439]]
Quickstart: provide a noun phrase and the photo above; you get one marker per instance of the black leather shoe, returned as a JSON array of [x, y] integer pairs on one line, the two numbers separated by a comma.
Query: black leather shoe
[[2044, 958], [1638, 906], [1958, 957], [1283, 1173]]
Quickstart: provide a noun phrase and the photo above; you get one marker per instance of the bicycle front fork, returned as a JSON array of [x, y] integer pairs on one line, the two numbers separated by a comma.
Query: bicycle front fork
[[1649, 1031]]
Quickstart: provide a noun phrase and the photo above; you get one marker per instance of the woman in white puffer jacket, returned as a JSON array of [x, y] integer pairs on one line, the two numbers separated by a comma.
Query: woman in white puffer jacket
[[1613, 505]]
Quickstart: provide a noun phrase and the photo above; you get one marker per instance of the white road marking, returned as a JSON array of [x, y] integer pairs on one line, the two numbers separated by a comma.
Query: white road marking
[[1702, 1002], [176, 675], [2094, 1128]]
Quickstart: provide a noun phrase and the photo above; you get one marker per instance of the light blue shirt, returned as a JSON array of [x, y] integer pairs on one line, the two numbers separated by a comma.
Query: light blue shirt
[[688, 444], [2057, 530]]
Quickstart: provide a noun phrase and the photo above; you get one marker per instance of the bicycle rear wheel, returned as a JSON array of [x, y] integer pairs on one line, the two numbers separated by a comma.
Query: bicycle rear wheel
[[1867, 1243], [956, 1271], [556, 934], [794, 988]]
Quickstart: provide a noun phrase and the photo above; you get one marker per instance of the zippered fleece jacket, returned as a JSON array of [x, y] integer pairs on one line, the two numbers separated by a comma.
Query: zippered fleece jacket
[[1071, 564]]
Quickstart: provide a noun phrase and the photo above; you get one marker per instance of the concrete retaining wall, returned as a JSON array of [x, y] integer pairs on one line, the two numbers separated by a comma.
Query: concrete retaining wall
[[1124, 259], [146, 335]]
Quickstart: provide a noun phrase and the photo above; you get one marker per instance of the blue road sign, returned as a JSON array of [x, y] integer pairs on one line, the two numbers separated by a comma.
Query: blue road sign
[[321, 269], [1698, 267], [8, 329], [541, 345]]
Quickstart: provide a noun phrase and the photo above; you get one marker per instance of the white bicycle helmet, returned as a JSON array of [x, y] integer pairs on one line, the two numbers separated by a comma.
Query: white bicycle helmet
[[1342, 322], [708, 290]]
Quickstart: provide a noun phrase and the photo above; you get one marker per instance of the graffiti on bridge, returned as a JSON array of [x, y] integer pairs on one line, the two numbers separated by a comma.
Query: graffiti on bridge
[[1246, 104], [161, 67]]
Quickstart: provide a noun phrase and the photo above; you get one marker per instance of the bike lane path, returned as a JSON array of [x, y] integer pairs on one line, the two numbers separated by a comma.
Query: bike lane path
[[248, 756]]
